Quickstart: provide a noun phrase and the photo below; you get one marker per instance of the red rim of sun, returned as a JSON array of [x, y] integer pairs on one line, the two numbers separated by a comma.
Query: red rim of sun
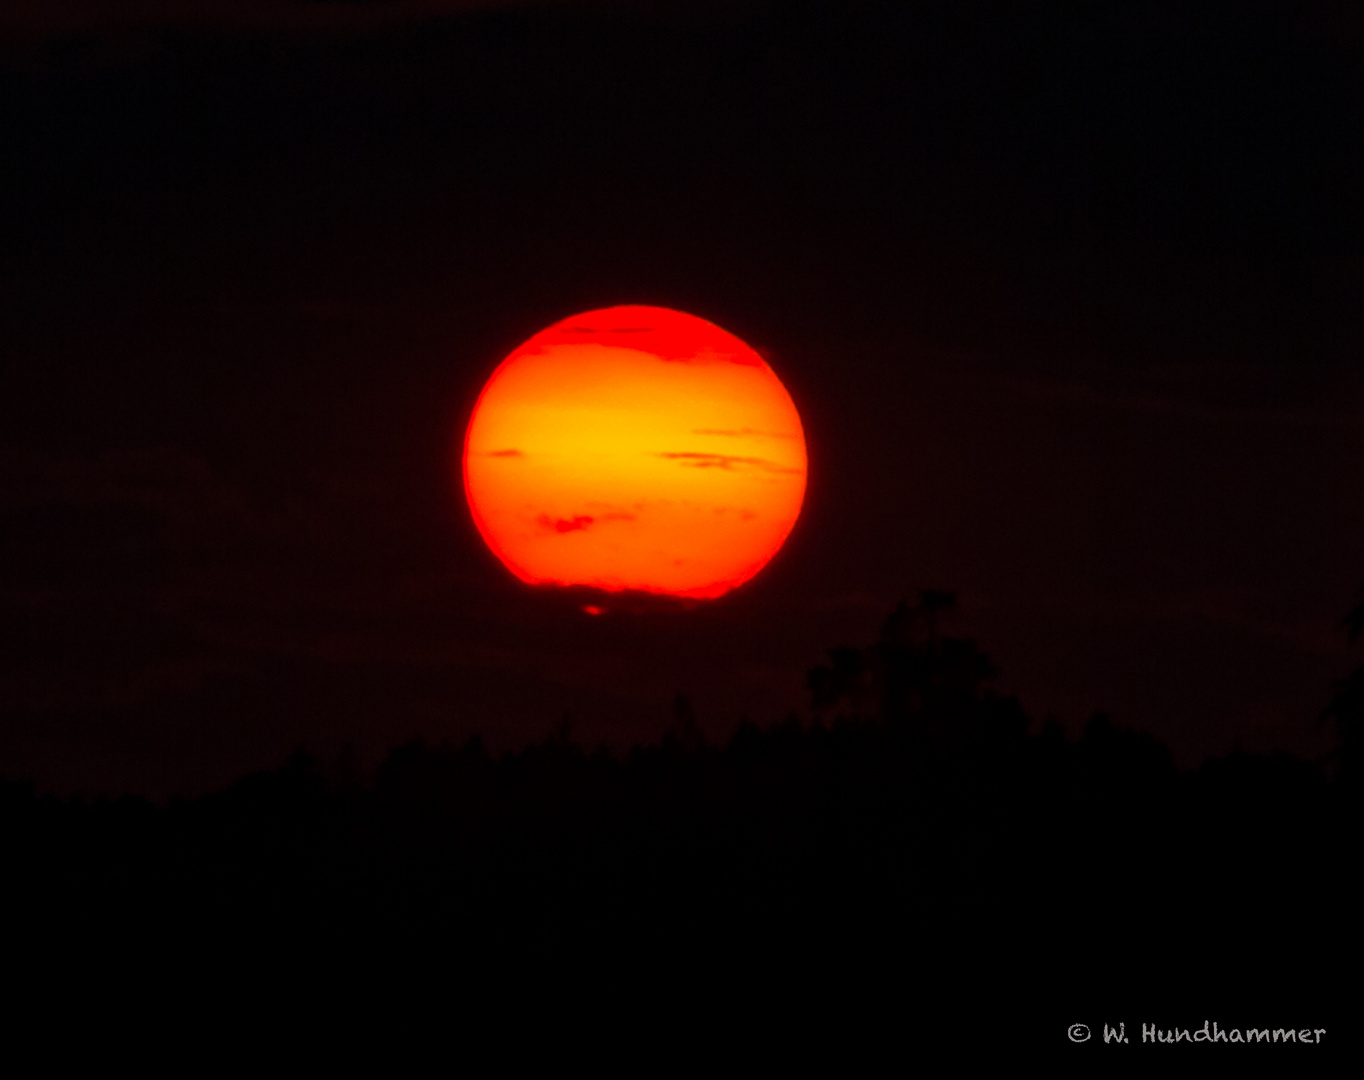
[[635, 448]]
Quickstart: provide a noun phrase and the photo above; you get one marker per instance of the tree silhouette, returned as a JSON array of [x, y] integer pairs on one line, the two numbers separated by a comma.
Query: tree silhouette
[[923, 824], [931, 603], [1347, 706], [1354, 622], [911, 674]]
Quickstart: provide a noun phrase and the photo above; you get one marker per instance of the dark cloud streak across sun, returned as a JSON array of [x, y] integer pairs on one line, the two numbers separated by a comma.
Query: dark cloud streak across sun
[[698, 460], [577, 523]]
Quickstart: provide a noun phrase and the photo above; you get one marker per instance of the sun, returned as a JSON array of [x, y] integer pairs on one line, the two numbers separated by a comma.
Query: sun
[[635, 448]]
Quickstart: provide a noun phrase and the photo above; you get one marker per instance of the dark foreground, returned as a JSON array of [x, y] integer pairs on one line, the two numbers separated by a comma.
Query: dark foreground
[[913, 874]]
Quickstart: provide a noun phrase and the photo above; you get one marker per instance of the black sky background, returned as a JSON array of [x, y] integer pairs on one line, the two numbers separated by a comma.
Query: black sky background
[[1069, 300]]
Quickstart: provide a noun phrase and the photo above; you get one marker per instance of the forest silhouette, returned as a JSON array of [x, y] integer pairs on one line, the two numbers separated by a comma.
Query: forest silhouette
[[918, 825]]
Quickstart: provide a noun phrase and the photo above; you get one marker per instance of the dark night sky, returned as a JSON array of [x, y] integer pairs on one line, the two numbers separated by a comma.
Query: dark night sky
[[1071, 298]]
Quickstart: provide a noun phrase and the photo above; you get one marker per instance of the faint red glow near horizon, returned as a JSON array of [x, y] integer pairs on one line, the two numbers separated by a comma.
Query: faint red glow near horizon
[[635, 448]]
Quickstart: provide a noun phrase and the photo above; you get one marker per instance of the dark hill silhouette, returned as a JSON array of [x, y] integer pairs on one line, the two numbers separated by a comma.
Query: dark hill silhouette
[[914, 831]]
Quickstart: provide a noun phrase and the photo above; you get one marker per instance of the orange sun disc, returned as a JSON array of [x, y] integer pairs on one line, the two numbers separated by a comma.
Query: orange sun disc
[[635, 448]]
